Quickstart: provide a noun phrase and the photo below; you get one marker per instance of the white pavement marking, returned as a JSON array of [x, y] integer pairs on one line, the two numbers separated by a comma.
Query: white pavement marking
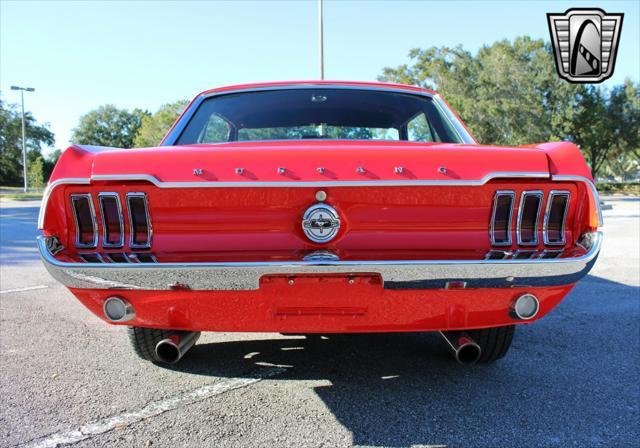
[[152, 409], [26, 288]]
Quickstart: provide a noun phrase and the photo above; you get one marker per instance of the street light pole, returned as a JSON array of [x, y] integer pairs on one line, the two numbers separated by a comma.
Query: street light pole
[[24, 142], [320, 40]]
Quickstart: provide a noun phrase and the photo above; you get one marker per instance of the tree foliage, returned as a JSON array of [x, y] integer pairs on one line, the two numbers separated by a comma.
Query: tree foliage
[[109, 126], [36, 173], [509, 93], [154, 127], [11, 142]]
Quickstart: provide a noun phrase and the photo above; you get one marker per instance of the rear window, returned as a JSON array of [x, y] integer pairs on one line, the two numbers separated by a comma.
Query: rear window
[[298, 114]]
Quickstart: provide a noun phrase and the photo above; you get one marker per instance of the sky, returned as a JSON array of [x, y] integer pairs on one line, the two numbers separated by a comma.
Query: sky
[[79, 55]]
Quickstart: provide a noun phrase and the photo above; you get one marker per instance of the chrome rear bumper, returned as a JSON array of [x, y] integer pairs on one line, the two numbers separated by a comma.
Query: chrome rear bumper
[[395, 274]]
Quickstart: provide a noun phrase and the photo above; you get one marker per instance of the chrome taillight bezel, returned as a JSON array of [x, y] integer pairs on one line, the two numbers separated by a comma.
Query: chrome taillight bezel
[[545, 223], [105, 242], [523, 198], [132, 243], [94, 222], [500, 193]]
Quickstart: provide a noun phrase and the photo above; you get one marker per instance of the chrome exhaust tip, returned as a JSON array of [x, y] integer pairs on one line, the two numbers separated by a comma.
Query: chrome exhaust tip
[[173, 348], [464, 349]]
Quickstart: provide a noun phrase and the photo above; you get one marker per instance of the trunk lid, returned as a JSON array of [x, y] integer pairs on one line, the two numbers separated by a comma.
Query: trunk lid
[[319, 161]]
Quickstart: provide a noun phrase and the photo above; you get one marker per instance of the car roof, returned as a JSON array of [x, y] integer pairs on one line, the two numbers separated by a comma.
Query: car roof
[[324, 83]]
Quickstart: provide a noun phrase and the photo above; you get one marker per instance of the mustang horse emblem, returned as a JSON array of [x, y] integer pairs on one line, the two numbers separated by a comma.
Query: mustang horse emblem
[[321, 223]]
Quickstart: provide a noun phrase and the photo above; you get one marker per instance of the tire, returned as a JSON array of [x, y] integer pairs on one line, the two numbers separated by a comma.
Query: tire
[[494, 342], [144, 341]]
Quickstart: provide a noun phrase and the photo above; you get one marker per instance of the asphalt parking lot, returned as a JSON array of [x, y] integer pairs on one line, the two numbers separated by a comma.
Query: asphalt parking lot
[[571, 379]]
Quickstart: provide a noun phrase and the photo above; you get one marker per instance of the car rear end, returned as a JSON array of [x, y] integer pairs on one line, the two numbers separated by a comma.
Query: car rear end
[[321, 235]]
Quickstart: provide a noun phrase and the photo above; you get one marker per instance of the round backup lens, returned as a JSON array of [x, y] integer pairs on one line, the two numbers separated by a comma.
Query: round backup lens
[[526, 306], [115, 309]]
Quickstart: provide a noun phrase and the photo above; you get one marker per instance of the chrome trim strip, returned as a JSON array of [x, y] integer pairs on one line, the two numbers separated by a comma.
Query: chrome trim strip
[[547, 212], [492, 235], [94, 222], [458, 127], [525, 194], [132, 243], [174, 133], [320, 184], [396, 274], [105, 243], [592, 187], [49, 189]]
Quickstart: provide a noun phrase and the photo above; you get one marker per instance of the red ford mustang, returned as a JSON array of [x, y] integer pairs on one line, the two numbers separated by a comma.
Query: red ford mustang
[[319, 207]]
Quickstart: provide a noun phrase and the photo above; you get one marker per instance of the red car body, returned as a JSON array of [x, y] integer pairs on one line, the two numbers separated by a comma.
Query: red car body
[[413, 251]]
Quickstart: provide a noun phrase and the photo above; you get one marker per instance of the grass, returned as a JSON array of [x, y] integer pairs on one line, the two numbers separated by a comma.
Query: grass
[[16, 193], [624, 188]]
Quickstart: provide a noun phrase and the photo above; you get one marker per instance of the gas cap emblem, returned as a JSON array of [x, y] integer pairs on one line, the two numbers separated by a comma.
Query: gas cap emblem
[[321, 223]]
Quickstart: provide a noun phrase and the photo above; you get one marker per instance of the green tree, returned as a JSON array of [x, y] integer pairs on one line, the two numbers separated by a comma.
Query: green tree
[[509, 93], [109, 126], [606, 126], [50, 162], [11, 142], [154, 127], [624, 115], [36, 173]]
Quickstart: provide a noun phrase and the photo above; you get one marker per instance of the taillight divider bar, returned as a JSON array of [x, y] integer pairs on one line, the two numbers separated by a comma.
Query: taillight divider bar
[[115, 195], [547, 212], [132, 243], [94, 221], [539, 194], [508, 230], [530, 252], [556, 252]]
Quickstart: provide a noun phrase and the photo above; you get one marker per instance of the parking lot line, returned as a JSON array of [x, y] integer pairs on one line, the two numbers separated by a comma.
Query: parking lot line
[[152, 409], [26, 288]]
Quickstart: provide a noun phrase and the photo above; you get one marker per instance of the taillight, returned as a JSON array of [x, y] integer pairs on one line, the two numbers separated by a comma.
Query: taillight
[[112, 221], [139, 221], [553, 227], [85, 218], [501, 218], [528, 215]]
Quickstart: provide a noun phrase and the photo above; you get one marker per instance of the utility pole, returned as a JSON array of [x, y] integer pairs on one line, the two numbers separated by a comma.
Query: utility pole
[[24, 142], [320, 40]]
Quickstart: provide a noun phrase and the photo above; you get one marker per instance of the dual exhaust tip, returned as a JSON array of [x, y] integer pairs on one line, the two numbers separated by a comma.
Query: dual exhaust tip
[[464, 349], [467, 351], [173, 348], [170, 350]]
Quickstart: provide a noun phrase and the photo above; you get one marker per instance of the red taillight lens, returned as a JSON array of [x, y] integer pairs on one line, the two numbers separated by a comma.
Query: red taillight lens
[[139, 221], [555, 217], [528, 218], [112, 221], [501, 218], [85, 218]]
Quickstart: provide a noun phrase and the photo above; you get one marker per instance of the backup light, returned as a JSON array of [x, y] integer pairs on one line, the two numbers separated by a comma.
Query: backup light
[[526, 307]]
